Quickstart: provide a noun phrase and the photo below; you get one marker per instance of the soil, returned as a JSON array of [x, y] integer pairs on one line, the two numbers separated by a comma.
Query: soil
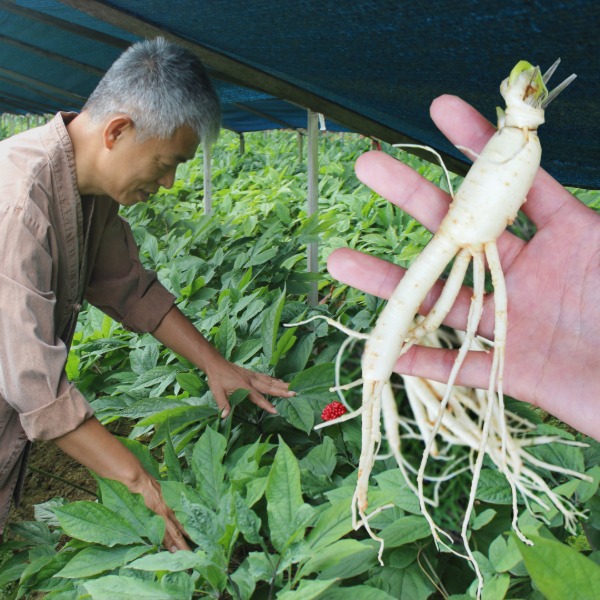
[[48, 463], [52, 473]]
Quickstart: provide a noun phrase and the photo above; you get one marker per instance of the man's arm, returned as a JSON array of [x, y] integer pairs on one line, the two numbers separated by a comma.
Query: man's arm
[[92, 445]]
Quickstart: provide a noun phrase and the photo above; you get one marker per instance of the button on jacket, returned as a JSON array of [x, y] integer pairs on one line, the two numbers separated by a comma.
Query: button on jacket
[[56, 249]]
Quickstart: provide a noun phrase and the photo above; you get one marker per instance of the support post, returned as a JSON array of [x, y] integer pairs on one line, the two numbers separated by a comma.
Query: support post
[[207, 180], [312, 158]]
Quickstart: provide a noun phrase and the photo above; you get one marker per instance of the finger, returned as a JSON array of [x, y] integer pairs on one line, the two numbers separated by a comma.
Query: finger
[[261, 402], [464, 126], [175, 540], [272, 386], [404, 187], [222, 402], [420, 198], [437, 363], [378, 277]]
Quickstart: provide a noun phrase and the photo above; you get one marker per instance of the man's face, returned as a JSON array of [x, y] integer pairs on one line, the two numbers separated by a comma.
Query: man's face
[[139, 169]]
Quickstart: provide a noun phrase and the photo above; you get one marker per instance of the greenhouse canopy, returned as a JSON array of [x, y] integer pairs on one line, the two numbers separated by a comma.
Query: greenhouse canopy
[[367, 66]]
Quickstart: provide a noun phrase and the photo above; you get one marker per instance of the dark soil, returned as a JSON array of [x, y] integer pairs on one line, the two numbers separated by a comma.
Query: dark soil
[[52, 473]]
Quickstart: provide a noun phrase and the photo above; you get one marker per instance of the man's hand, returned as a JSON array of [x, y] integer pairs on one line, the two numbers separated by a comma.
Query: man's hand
[[178, 333], [97, 449], [553, 283]]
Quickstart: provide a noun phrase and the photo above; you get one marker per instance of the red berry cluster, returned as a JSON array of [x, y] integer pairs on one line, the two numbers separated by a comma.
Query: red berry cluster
[[333, 411]]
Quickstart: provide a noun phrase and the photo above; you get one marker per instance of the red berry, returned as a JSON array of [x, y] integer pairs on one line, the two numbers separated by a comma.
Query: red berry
[[333, 411]]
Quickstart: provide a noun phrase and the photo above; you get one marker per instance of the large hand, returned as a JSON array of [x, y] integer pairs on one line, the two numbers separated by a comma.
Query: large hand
[[225, 377], [553, 283]]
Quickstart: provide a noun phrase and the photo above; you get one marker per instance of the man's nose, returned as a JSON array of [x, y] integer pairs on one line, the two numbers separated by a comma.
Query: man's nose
[[167, 180]]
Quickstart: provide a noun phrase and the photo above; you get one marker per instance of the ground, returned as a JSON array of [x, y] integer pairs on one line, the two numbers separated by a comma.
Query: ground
[[47, 464]]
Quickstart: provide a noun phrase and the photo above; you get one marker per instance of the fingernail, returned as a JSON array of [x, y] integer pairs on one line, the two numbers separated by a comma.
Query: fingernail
[[173, 548]]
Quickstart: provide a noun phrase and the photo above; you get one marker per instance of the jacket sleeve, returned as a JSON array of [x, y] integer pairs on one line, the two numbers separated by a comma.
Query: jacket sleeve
[[120, 286], [32, 355]]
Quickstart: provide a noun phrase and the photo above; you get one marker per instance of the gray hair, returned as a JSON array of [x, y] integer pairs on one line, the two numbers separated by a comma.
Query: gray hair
[[161, 86]]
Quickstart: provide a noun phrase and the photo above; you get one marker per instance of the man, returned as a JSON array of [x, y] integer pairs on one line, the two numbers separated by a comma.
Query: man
[[553, 283], [63, 241]]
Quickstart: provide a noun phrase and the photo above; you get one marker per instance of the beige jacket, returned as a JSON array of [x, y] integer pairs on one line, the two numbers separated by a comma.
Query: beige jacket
[[56, 249]]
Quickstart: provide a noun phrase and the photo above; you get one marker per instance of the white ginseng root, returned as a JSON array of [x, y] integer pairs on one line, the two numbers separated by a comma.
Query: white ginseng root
[[487, 201]]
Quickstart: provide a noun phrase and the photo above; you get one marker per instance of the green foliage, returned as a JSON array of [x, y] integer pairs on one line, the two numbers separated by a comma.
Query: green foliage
[[265, 499]]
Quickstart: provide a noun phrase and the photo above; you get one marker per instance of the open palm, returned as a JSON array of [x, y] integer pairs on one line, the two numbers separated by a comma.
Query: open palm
[[553, 283]]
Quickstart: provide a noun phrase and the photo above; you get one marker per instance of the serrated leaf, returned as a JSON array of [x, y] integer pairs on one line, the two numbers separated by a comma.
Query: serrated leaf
[[405, 530], [560, 571], [284, 495], [182, 560], [96, 560], [95, 523], [493, 488], [270, 325], [308, 590], [342, 559], [315, 379], [298, 412], [132, 508], [225, 338], [127, 588], [207, 464]]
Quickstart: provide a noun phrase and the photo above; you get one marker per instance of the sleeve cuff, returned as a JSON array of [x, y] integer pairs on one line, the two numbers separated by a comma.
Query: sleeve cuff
[[147, 313], [58, 418]]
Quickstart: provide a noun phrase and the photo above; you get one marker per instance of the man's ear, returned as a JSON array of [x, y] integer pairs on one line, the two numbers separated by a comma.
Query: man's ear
[[115, 128]]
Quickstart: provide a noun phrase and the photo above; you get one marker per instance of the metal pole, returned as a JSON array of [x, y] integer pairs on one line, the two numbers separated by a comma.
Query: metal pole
[[312, 149], [207, 180]]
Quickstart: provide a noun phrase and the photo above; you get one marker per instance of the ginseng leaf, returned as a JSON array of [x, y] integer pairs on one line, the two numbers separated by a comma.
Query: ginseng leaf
[[131, 507], [95, 523], [560, 571], [96, 560], [270, 325], [285, 507], [226, 338], [128, 588], [207, 464]]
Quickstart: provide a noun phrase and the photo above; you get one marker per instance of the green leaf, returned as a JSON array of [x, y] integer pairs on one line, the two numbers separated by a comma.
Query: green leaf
[[407, 583], [172, 464], [247, 521], [405, 530], [95, 523], [504, 554], [308, 590], [493, 488], [342, 559], [321, 460], [333, 523], [284, 496], [270, 325], [95, 560], [127, 588], [317, 378], [182, 560], [192, 383], [298, 412], [225, 338], [116, 497], [364, 592], [560, 571], [207, 464], [143, 455]]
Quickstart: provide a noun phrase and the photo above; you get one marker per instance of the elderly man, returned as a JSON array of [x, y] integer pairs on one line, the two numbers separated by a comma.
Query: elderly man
[[63, 241]]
